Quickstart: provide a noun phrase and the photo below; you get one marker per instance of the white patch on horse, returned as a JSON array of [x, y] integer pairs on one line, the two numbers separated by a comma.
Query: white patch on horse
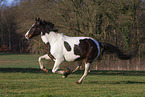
[[44, 38]]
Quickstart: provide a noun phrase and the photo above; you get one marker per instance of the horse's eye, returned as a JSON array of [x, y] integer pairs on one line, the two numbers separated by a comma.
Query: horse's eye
[[35, 26]]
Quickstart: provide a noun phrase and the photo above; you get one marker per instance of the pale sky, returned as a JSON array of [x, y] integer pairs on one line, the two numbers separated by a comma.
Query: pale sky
[[7, 2]]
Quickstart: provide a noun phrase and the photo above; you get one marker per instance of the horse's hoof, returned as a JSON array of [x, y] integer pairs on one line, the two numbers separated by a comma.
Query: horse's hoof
[[77, 83], [46, 71], [41, 71], [66, 73], [63, 76]]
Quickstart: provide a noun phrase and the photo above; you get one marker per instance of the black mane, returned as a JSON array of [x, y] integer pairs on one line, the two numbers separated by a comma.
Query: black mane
[[48, 26]]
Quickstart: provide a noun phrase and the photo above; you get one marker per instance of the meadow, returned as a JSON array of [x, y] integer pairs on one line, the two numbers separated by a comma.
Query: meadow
[[20, 76]]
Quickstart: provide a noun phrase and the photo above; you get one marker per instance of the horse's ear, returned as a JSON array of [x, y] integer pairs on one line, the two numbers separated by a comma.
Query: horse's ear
[[37, 19], [43, 21]]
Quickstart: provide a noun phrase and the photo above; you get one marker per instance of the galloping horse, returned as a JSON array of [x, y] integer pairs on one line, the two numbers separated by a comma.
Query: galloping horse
[[64, 48]]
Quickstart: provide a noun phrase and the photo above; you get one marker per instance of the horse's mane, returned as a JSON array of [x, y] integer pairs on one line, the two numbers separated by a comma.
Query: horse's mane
[[50, 26]]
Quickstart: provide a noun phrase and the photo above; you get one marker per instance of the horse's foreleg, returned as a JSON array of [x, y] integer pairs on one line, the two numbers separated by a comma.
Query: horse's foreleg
[[41, 63], [68, 71], [56, 67], [87, 67]]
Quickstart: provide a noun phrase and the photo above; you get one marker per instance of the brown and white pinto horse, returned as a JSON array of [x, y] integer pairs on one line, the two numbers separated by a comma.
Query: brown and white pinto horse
[[64, 48]]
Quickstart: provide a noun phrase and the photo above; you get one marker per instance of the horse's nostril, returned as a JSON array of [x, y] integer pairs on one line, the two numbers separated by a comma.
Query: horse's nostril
[[26, 36]]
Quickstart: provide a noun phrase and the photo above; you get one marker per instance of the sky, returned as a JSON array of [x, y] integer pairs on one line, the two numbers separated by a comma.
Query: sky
[[10, 1], [7, 2]]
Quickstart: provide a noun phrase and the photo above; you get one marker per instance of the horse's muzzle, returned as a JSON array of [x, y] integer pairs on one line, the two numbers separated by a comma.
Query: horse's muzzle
[[26, 36]]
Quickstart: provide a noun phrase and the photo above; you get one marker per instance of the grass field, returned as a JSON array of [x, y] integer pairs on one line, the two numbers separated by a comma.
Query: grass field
[[20, 76]]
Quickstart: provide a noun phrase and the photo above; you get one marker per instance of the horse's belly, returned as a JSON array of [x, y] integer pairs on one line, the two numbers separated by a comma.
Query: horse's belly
[[70, 57]]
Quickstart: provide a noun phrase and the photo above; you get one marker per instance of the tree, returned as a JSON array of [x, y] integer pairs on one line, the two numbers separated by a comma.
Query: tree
[[9, 39]]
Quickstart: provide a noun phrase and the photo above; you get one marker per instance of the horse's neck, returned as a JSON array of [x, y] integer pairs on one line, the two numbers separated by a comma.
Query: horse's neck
[[52, 37]]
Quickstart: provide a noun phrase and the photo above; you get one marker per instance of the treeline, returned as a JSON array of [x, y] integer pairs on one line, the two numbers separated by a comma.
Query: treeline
[[119, 22]]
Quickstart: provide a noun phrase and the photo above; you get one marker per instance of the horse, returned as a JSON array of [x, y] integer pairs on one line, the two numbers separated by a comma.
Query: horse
[[65, 48]]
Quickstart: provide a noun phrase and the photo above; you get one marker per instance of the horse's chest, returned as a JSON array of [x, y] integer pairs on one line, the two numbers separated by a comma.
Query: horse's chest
[[54, 51]]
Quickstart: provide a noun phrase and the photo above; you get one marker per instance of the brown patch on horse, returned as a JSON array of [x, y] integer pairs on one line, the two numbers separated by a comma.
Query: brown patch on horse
[[81, 49], [87, 49], [48, 47]]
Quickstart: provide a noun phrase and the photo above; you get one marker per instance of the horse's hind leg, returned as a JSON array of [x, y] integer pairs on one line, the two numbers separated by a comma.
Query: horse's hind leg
[[68, 71], [87, 68], [41, 63], [92, 55]]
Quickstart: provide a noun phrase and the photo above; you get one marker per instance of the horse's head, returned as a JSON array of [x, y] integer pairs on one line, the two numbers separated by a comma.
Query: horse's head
[[40, 27]]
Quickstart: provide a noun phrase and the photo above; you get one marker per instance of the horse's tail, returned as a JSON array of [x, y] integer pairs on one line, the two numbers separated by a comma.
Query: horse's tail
[[113, 49]]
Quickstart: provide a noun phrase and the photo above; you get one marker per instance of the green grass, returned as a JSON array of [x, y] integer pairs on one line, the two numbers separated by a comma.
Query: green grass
[[19, 60], [20, 76]]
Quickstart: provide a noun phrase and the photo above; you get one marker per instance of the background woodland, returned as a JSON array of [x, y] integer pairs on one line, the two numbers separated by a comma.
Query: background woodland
[[118, 22]]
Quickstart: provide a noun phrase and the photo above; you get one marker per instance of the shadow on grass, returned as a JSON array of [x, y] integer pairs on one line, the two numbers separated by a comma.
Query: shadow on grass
[[93, 72], [80, 72], [120, 82], [22, 70], [113, 72]]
